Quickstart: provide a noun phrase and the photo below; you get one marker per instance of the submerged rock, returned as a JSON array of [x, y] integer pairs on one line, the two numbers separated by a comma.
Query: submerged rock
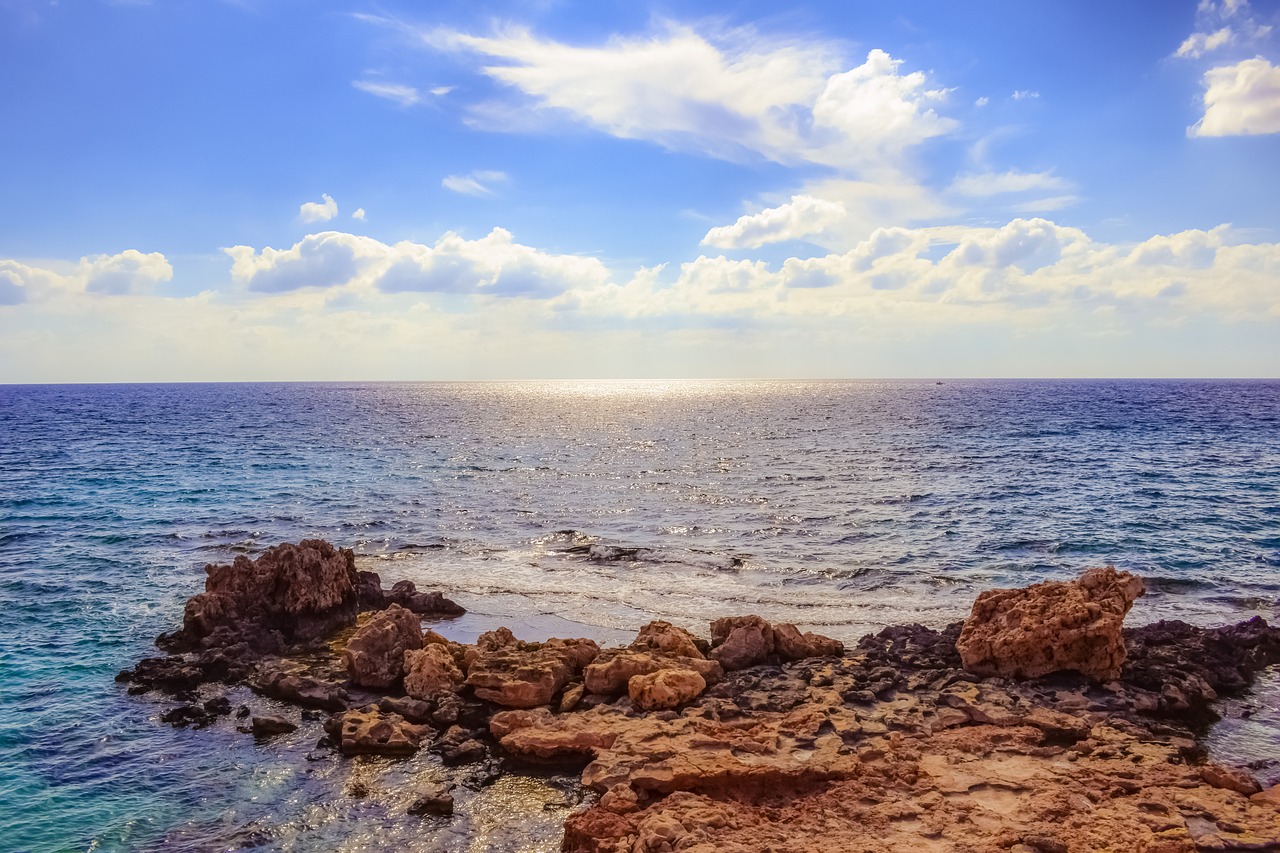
[[1051, 626]]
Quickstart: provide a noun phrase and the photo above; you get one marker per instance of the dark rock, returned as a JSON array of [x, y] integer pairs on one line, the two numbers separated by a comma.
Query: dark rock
[[219, 707], [271, 724], [413, 710], [460, 746], [434, 799], [405, 594], [187, 715], [301, 690]]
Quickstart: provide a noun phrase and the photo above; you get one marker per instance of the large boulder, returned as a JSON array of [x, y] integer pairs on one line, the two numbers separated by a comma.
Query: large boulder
[[791, 645], [375, 654], [1051, 626], [515, 674], [431, 671], [290, 594], [665, 689], [739, 642], [371, 731]]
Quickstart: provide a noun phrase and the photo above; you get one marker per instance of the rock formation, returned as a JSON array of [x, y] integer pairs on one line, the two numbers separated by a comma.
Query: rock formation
[[375, 654], [1051, 626], [516, 674]]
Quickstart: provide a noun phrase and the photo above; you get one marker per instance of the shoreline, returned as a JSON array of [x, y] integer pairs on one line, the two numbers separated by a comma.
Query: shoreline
[[762, 736]]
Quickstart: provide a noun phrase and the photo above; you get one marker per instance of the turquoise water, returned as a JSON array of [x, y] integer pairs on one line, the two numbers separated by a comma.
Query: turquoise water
[[842, 506]]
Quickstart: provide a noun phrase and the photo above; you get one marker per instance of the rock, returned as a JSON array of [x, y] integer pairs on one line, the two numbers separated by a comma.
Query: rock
[[300, 690], [372, 731], [571, 697], [290, 594], [611, 672], [526, 675], [665, 638], [375, 654], [413, 710], [664, 689], [460, 746], [744, 647], [271, 724], [790, 644], [187, 715], [219, 706], [406, 595], [1230, 779], [1051, 626], [433, 799], [430, 672]]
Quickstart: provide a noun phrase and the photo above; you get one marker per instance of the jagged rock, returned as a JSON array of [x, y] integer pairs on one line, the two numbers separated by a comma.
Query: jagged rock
[[413, 710], [406, 595], [290, 594], [525, 675], [611, 672], [375, 654], [1051, 626], [665, 689], [431, 671], [460, 746], [665, 638], [738, 642], [271, 724], [790, 644], [372, 731]]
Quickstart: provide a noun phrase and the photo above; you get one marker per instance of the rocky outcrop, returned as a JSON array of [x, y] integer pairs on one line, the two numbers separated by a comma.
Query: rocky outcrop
[[1051, 626], [375, 654], [516, 674], [791, 645], [665, 689], [431, 671]]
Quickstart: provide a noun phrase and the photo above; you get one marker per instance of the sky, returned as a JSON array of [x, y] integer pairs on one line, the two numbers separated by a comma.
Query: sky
[[245, 190]]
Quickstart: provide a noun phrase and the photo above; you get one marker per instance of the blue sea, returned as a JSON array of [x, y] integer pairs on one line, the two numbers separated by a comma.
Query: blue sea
[[561, 508]]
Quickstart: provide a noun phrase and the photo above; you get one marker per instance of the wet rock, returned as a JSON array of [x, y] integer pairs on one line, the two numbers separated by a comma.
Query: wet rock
[[433, 799], [1051, 626], [525, 675], [375, 654], [413, 710], [406, 595], [460, 746], [664, 689], [1230, 778], [187, 715], [431, 671], [372, 731], [219, 706], [300, 689], [271, 724]]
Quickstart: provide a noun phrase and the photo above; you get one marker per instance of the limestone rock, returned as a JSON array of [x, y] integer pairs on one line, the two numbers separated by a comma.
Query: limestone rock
[[290, 594], [745, 645], [375, 654], [790, 644], [372, 731], [431, 671], [300, 690], [1051, 626], [665, 689], [525, 675], [433, 799], [665, 638], [611, 672]]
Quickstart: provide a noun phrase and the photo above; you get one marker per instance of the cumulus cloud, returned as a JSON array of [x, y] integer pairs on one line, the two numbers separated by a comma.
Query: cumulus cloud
[[318, 211], [728, 95], [127, 273], [359, 214], [1240, 100], [494, 265], [801, 217], [476, 183]]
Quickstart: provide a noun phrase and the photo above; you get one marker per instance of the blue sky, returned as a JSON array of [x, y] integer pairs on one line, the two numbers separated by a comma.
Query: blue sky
[[268, 189]]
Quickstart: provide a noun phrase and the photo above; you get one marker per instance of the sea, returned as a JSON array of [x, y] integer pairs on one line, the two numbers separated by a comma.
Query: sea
[[568, 509]]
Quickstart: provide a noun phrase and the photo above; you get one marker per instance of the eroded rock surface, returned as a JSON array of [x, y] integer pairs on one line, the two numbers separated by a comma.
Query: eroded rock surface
[[516, 674], [375, 654], [1051, 626]]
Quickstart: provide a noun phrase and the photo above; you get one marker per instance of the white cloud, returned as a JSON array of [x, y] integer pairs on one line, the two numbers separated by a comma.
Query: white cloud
[[126, 273], [476, 183], [1241, 99], [359, 214], [998, 183], [1220, 25], [1197, 45], [801, 217], [494, 265], [1025, 95], [318, 211], [405, 96], [1045, 205], [729, 96], [982, 102]]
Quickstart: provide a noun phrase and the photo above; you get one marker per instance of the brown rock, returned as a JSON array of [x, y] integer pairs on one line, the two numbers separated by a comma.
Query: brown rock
[[790, 644], [300, 689], [665, 638], [1051, 626], [372, 731], [270, 724], [431, 671], [665, 689], [744, 646], [290, 594], [525, 675], [1230, 779], [375, 654], [611, 672], [433, 799]]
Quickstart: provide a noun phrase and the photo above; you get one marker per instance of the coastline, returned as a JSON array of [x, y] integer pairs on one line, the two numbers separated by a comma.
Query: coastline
[[897, 707]]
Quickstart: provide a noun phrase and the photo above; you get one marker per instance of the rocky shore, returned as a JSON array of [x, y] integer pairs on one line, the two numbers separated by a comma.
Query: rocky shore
[[1038, 724]]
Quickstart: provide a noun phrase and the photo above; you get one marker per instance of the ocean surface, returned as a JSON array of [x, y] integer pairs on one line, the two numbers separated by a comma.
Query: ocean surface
[[569, 509]]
